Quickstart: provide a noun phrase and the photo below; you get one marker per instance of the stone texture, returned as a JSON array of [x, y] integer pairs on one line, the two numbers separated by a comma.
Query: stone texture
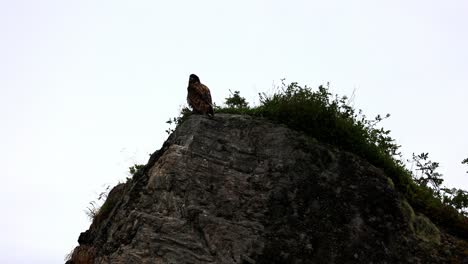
[[239, 190]]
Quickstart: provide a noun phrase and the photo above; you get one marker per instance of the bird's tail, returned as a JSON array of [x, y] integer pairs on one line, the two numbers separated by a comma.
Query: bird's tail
[[211, 112]]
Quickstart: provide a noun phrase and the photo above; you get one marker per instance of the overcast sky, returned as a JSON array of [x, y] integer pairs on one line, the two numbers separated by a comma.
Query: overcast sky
[[86, 87]]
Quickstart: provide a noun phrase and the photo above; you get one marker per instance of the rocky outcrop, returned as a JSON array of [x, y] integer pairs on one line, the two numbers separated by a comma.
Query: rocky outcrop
[[234, 189]]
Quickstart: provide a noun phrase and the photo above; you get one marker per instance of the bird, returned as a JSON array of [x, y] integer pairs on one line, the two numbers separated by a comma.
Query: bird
[[199, 97]]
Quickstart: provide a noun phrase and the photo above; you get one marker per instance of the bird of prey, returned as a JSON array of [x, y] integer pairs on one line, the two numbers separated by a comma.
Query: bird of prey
[[199, 97]]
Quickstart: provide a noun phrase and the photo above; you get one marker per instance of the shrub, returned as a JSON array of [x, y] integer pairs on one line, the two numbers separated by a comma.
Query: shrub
[[236, 101]]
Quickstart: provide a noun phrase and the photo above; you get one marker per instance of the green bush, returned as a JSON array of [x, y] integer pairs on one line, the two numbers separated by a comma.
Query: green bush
[[236, 101], [136, 169]]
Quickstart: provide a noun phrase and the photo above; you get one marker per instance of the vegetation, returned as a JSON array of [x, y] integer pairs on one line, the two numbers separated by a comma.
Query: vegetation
[[427, 176], [103, 205], [95, 206], [184, 113], [331, 119], [236, 101], [136, 169]]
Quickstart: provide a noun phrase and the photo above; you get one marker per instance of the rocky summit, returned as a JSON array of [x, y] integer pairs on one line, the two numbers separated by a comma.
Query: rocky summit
[[237, 189]]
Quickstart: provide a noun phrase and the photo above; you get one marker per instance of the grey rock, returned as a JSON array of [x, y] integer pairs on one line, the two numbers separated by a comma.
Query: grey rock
[[234, 189]]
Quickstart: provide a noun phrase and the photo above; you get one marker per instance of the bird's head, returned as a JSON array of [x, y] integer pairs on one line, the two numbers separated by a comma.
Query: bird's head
[[194, 79]]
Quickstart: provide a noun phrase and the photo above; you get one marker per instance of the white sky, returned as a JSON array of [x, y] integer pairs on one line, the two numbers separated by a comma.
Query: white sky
[[86, 87]]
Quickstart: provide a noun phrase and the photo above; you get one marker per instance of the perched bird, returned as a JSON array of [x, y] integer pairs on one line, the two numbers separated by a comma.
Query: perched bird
[[199, 97]]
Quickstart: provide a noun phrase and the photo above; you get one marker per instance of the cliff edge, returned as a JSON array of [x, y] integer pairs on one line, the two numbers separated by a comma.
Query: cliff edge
[[236, 189]]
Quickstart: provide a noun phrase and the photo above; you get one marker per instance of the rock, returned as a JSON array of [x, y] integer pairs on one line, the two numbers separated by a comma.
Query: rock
[[234, 189]]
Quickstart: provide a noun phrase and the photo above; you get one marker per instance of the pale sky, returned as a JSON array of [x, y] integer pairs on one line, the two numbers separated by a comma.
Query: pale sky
[[86, 87]]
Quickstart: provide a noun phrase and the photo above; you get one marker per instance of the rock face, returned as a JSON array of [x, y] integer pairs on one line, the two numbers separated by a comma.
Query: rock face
[[239, 190]]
